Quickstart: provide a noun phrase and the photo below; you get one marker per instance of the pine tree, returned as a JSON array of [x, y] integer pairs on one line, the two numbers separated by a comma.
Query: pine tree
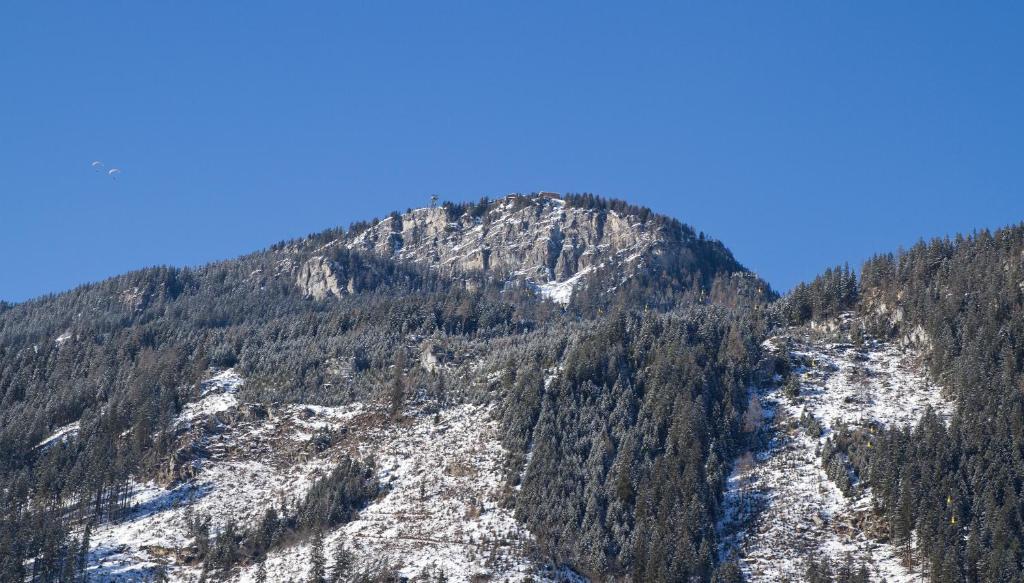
[[67, 567], [317, 562], [396, 395], [83, 552], [343, 562], [905, 518], [261, 571], [728, 572]]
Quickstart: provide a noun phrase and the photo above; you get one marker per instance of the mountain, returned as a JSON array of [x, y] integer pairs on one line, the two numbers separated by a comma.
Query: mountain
[[538, 387]]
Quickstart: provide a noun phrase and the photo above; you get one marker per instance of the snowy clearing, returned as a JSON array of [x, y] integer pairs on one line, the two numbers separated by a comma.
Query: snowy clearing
[[438, 512], [780, 507], [62, 433]]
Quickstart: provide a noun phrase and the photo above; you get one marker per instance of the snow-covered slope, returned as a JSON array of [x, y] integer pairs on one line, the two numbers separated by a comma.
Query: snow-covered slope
[[438, 511], [441, 512], [217, 395], [781, 508], [238, 460]]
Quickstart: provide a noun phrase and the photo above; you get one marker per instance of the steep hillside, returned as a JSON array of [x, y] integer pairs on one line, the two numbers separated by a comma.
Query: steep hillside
[[438, 511], [796, 499], [947, 490], [398, 411], [403, 400]]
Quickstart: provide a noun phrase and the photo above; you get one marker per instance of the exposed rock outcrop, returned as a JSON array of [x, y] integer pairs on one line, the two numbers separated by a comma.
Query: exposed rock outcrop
[[319, 278], [539, 238], [552, 245]]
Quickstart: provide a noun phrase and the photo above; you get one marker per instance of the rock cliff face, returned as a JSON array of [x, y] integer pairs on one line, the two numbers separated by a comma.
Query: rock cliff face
[[320, 278], [541, 241], [537, 237], [537, 240]]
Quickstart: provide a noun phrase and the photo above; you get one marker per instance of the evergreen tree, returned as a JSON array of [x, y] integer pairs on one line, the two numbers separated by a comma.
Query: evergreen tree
[[82, 560], [317, 562], [344, 562]]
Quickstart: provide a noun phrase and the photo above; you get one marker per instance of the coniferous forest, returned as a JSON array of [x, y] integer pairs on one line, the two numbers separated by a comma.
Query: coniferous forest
[[622, 412]]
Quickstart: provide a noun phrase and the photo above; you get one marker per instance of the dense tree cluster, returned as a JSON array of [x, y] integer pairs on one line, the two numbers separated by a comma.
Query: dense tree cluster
[[827, 296], [953, 497], [820, 570], [629, 443], [335, 499]]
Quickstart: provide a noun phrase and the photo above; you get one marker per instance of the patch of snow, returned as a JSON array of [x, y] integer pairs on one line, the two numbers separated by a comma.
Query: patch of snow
[[248, 467], [878, 383], [216, 394], [780, 507], [61, 434], [226, 381], [560, 292]]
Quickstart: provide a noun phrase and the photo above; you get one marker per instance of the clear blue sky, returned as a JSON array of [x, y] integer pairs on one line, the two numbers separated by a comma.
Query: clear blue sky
[[802, 134]]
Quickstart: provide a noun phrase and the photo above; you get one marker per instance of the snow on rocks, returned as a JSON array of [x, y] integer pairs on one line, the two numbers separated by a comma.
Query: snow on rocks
[[540, 242], [560, 292], [155, 532], [216, 394], [780, 507], [877, 383]]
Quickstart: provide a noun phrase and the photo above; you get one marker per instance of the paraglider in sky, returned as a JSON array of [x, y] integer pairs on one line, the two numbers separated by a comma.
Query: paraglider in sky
[[97, 165], [113, 173]]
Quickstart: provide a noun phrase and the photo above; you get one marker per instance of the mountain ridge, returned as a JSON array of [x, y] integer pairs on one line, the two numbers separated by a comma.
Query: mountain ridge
[[587, 224], [433, 416]]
